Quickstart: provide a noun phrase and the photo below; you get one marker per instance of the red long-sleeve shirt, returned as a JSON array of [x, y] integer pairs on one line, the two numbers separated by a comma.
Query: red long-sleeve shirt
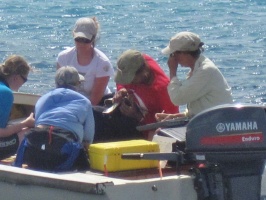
[[155, 96]]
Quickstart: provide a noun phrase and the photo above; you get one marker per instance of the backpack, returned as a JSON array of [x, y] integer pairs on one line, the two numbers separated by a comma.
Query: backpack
[[51, 149]]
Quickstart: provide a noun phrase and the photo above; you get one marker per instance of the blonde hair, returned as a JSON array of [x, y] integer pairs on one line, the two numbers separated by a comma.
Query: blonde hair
[[14, 64], [97, 26]]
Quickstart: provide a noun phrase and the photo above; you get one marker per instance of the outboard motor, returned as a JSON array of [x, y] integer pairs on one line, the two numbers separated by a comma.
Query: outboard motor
[[229, 143]]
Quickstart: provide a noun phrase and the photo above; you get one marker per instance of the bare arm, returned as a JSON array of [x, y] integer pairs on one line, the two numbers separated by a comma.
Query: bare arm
[[172, 64], [15, 128], [98, 89]]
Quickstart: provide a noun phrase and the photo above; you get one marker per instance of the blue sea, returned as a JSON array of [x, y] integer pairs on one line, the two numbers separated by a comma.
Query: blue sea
[[234, 33]]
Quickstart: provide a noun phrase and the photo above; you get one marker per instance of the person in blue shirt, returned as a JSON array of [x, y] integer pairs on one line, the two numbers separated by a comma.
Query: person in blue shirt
[[64, 121], [13, 74], [65, 108]]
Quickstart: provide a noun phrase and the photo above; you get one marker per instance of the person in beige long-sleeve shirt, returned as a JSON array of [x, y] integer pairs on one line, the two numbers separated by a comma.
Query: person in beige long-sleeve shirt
[[205, 86]]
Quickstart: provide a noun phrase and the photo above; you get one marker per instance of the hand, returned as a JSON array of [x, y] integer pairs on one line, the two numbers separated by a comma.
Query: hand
[[29, 121], [119, 95], [164, 116]]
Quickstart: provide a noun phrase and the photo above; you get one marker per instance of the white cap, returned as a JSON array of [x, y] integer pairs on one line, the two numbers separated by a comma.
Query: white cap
[[183, 41], [85, 28]]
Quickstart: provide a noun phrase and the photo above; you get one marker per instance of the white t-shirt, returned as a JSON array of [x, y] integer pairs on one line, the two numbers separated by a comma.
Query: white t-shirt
[[100, 66]]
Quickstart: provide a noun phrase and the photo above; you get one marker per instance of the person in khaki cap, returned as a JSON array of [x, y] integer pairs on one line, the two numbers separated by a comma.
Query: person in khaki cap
[[205, 85], [142, 82]]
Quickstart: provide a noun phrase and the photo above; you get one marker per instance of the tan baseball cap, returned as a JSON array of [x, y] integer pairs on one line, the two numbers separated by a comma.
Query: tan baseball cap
[[183, 41], [127, 65]]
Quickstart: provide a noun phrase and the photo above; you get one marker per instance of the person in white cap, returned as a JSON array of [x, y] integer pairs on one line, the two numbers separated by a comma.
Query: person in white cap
[[92, 63], [205, 85]]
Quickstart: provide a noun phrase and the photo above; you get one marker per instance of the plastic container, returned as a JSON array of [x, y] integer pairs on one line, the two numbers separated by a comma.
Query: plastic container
[[107, 156]]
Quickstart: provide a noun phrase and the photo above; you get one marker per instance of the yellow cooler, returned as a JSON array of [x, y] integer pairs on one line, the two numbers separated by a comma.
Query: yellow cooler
[[107, 156]]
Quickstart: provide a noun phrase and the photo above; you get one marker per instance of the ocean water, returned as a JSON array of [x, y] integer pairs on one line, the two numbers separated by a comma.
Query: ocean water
[[234, 33]]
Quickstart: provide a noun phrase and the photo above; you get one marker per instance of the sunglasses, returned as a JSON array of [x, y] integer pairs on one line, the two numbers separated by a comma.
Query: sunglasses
[[83, 40], [24, 78]]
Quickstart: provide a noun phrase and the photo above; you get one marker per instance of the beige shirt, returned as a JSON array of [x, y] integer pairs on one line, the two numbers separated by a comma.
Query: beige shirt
[[204, 88]]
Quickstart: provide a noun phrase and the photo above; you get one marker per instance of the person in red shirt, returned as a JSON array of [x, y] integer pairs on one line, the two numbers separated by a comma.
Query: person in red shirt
[[142, 88]]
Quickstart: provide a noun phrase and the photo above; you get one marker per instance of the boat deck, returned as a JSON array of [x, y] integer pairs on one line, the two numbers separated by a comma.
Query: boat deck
[[96, 183]]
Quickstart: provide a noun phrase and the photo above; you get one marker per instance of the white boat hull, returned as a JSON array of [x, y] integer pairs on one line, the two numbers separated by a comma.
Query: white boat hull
[[25, 184]]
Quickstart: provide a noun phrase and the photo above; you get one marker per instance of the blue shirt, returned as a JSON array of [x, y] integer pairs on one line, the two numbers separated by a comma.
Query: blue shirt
[[68, 110], [6, 102]]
